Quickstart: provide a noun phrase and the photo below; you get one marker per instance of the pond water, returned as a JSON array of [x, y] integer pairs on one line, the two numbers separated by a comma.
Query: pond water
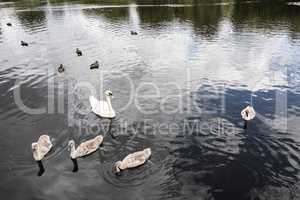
[[179, 86]]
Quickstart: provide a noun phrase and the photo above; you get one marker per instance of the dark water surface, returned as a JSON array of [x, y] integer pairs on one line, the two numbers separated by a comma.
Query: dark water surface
[[179, 86]]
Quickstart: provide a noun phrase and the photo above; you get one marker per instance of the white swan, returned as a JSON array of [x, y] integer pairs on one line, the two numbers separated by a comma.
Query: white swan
[[248, 113], [41, 147], [133, 160], [103, 108], [86, 147]]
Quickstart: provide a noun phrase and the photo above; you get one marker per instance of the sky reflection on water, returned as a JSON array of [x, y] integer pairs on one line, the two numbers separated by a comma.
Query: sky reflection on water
[[212, 58]]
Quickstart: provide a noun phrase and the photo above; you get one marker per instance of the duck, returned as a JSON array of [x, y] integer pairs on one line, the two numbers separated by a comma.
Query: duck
[[133, 32], [248, 113], [94, 65], [79, 52], [24, 43], [85, 148], [61, 68], [133, 160], [103, 108], [8, 24], [41, 147]]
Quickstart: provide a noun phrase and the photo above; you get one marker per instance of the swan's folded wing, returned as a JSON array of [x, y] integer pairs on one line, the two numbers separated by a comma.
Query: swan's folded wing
[[135, 162], [81, 151], [94, 102], [99, 107], [90, 144], [252, 113], [44, 140], [44, 150], [103, 107], [86, 148], [134, 155]]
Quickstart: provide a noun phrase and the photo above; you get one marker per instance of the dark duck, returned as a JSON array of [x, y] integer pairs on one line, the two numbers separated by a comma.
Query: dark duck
[[78, 52], [24, 44], [133, 33], [94, 65], [61, 68]]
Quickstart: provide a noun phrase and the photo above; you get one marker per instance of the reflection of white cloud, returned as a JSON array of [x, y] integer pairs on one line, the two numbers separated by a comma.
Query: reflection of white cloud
[[134, 17], [246, 59], [293, 3]]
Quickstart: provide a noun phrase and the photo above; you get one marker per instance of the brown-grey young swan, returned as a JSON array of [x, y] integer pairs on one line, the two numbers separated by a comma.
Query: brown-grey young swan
[[86, 147], [103, 108], [133, 160], [41, 147], [248, 113]]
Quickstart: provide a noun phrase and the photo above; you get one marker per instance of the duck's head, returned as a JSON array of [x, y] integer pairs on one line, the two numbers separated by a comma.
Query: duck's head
[[34, 146], [108, 93], [117, 166]]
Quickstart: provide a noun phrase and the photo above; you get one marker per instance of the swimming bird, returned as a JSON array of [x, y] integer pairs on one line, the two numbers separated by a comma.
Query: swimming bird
[[24, 43], [248, 113], [94, 65], [79, 52], [61, 68], [133, 32], [41, 147], [86, 147], [133, 160], [8, 24], [103, 108]]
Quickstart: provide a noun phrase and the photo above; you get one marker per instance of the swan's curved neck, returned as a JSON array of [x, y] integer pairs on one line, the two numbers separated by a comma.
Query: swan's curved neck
[[108, 100], [73, 151], [119, 166]]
